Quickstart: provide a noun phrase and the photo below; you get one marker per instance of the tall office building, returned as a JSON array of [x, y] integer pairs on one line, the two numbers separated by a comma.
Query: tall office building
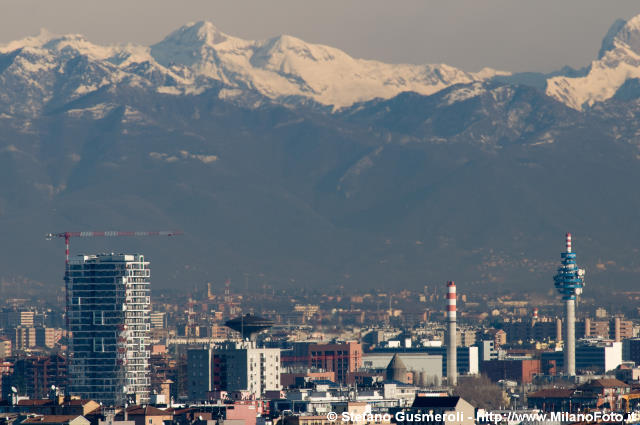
[[109, 324]]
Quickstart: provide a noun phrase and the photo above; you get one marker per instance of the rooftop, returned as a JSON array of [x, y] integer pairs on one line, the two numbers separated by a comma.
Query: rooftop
[[447, 402]]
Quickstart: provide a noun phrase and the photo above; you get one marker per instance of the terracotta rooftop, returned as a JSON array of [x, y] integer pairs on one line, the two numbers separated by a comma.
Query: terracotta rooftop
[[148, 411], [605, 383], [562, 393], [36, 402], [552, 393], [446, 402], [50, 419]]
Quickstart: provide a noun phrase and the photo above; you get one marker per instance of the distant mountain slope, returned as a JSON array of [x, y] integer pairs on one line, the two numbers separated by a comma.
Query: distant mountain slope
[[238, 144], [198, 56], [618, 61]]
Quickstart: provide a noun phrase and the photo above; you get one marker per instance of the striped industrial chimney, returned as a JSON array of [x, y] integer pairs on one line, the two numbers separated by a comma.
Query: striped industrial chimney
[[452, 355]]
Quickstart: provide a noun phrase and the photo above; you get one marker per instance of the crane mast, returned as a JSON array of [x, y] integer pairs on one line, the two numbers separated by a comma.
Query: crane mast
[[67, 237]]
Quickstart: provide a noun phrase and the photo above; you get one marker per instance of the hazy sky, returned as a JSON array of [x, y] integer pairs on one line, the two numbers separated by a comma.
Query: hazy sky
[[515, 35]]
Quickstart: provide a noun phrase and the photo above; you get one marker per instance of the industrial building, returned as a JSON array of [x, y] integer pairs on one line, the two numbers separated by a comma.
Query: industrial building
[[426, 368], [109, 322], [466, 357], [522, 370]]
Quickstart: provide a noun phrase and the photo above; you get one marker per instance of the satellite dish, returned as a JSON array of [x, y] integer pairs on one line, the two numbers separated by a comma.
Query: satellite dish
[[14, 390]]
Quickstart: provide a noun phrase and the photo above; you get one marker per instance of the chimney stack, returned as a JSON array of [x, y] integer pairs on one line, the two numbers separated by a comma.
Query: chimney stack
[[452, 354]]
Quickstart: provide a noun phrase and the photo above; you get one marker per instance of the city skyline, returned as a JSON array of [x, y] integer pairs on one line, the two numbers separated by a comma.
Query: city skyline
[[371, 198]]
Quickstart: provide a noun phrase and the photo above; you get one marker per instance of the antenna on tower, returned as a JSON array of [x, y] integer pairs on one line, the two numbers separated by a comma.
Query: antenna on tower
[[569, 281], [67, 242]]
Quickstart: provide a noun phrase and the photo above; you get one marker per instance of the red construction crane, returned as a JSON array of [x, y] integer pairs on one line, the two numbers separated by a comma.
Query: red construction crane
[[68, 235]]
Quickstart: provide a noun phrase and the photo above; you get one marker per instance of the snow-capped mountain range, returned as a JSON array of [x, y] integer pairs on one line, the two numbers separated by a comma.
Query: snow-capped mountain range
[[284, 69], [197, 56]]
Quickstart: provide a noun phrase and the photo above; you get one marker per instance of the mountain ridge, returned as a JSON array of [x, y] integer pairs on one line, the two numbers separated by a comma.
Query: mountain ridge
[[476, 181], [194, 56]]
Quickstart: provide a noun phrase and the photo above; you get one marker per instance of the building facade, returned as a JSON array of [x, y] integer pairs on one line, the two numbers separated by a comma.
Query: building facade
[[23, 338], [45, 337], [235, 366], [342, 359], [244, 367], [199, 373], [522, 370], [109, 324], [5, 347], [591, 355], [33, 376], [159, 320], [631, 350]]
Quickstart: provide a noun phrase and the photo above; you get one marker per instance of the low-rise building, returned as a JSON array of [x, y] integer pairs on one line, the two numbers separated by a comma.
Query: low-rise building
[[521, 370], [57, 420], [148, 415], [233, 367], [448, 410], [562, 400]]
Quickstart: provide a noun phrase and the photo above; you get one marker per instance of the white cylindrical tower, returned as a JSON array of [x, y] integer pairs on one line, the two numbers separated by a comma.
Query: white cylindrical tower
[[570, 340], [452, 354]]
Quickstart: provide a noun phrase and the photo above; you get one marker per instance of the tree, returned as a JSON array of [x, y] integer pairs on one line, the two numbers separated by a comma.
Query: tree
[[480, 392]]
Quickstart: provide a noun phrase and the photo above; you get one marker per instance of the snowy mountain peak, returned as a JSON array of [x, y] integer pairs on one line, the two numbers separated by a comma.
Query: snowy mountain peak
[[622, 33], [286, 68], [619, 61], [48, 43], [202, 31], [608, 42], [32, 41], [192, 44], [198, 56]]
